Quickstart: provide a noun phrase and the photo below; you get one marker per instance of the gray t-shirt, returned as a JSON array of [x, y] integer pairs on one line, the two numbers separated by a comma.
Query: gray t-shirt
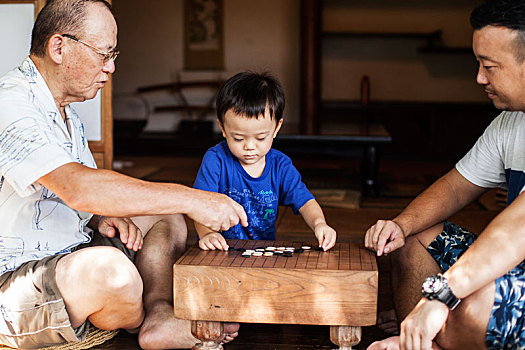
[[498, 157]]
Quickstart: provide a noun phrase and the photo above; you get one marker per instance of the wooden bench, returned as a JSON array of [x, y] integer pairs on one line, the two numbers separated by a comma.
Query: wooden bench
[[336, 288], [343, 141]]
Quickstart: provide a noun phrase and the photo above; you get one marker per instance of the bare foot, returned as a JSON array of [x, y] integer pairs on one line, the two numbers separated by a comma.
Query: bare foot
[[391, 343], [231, 330], [387, 321], [161, 330]]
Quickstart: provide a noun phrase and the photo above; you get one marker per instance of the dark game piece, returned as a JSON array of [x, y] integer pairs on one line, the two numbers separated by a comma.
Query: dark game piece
[[287, 254], [298, 250]]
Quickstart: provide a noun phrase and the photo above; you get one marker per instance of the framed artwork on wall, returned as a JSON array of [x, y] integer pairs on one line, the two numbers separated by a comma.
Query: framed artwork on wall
[[203, 35]]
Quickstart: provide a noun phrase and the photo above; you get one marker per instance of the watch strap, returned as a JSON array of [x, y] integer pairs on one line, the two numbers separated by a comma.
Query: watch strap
[[444, 294]]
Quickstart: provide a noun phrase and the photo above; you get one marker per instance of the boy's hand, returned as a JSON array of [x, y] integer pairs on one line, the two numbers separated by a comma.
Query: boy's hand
[[212, 241], [325, 235]]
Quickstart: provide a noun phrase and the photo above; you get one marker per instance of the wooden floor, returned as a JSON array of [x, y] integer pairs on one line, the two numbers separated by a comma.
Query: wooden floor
[[400, 182]]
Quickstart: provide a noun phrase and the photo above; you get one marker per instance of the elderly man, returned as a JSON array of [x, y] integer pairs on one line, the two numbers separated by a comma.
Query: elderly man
[[61, 266], [476, 297]]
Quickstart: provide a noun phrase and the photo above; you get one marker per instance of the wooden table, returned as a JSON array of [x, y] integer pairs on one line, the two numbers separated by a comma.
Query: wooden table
[[336, 288]]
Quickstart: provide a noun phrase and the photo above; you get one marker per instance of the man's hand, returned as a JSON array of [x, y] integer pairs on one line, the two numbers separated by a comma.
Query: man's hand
[[216, 211], [130, 234], [384, 237], [422, 325], [325, 235], [212, 241]]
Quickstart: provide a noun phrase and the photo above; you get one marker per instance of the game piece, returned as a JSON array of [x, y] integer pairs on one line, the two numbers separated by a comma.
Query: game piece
[[319, 249], [257, 253], [298, 250], [270, 248], [287, 254], [306, 247], [268, 254]]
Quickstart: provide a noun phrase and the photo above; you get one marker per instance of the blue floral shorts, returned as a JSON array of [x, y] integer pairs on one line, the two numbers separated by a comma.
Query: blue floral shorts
[[506, 325]]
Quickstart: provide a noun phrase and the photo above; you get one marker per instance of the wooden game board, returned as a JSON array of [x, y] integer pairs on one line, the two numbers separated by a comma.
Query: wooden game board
[[336, 288]]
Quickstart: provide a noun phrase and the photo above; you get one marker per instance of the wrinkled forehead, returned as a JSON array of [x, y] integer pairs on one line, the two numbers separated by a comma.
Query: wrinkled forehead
[[100, 24]]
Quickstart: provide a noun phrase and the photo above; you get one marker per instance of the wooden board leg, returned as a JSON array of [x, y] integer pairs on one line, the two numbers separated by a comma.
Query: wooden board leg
[[208, 333], [345, 336]]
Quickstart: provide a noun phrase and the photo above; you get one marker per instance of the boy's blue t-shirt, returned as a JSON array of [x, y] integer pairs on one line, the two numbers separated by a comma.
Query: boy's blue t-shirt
[[280, 184]]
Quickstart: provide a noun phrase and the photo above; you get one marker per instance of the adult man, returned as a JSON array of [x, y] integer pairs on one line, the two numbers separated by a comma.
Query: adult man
[[489, 278], [50, 284]]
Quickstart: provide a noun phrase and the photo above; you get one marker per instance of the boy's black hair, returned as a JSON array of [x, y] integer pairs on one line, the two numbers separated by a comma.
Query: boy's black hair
[[249, 94], [502, 13]]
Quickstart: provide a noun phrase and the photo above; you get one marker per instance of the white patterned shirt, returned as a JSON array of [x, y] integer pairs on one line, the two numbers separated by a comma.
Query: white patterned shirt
[[35, 140]]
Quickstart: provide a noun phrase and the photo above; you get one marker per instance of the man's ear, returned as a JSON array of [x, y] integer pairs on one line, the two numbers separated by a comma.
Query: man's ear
[[55, 48], [222, 127], [278, 127]]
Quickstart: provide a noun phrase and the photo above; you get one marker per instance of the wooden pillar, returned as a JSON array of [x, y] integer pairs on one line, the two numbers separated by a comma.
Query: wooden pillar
[[310, 66], [208, 333], [345, 336]]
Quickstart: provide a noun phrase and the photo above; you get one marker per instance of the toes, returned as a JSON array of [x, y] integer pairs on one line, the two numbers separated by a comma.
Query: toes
[[230, 327]]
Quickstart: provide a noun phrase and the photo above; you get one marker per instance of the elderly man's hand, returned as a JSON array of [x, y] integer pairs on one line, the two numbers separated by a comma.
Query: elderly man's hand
[[129, 233], [216, 211]]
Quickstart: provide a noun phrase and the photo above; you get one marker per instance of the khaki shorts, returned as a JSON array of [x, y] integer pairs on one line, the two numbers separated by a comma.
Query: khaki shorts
[[32, 312]]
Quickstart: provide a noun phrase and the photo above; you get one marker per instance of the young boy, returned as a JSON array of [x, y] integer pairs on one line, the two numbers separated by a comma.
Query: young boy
[[245, 167]]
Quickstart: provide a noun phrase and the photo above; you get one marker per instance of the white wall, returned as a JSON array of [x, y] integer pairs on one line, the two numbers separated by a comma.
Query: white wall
[[397, 70], [258, 35]]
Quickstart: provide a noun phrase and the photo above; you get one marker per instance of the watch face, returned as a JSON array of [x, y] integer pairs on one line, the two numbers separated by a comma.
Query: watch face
[[432, 285]]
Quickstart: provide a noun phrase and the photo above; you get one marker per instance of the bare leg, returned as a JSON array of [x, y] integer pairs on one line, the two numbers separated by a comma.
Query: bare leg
[[165, 241], [465, 327], [410, 266], [102, 284]]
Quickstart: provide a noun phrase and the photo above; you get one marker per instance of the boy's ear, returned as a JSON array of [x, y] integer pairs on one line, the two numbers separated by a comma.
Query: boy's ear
[[278, 127], [222, 127]]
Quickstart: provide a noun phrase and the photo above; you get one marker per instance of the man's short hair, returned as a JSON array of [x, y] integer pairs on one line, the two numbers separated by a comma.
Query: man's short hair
[[503, 13], [249, 94], [59, 17]]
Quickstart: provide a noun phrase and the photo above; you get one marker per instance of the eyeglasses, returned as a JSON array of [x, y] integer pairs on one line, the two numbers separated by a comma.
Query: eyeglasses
[[111, 55]]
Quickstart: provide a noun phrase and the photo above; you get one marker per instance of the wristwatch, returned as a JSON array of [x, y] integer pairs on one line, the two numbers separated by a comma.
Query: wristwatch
[[436, 287]]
